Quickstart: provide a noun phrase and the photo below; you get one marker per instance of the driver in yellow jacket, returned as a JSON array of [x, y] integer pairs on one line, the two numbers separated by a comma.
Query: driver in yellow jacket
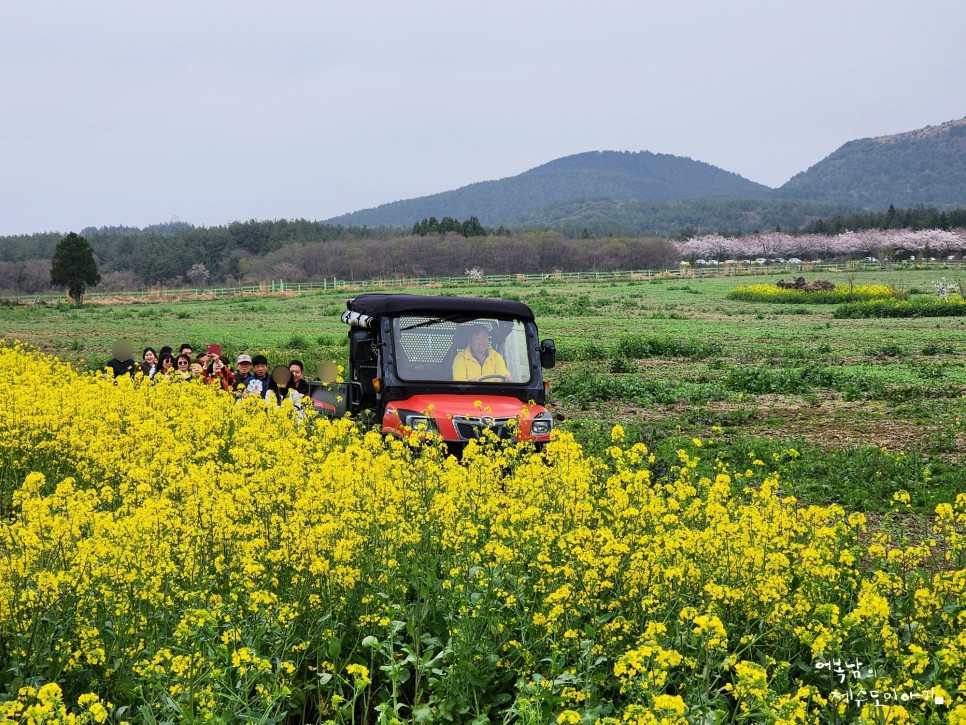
[[480, 361]]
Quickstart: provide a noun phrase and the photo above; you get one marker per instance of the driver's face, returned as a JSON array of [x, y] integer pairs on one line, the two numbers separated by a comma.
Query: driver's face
[[479, 343]]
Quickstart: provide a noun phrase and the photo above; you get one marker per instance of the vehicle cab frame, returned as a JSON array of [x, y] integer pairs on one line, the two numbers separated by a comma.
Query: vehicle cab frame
[[402, 376]]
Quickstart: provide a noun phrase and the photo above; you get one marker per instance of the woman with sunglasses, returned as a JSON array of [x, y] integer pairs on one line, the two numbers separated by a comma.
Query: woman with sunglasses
[[165, 365], [183, 367]]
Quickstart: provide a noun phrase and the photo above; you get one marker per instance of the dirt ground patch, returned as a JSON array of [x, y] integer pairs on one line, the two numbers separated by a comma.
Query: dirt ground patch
[[829, 422]]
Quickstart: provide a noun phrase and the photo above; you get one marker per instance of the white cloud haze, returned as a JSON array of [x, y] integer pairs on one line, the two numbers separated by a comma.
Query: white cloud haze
[[121, 113]]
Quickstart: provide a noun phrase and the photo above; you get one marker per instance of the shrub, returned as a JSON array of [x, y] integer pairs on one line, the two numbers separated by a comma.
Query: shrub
[[799, 380], [900, 308], [639, 347]]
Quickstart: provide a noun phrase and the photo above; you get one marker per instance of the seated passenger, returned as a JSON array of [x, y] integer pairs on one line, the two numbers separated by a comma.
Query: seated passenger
[[123, 361], [299, 383], [149, 362], [165, 365], [479, 361], [220, 374], [182, 366]]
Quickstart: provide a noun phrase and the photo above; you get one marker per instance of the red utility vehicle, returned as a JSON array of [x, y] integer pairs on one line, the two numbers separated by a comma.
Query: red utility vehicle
[[402, 375]]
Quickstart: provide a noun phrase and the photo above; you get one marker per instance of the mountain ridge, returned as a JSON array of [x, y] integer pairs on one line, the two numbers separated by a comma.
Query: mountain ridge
[[622, 175], [925, 166]]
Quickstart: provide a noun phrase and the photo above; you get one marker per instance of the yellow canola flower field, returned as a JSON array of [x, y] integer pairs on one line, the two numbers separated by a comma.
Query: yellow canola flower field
[[169, 554], [842, 293]]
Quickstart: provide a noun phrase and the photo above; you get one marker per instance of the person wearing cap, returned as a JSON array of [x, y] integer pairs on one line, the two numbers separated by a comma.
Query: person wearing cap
[[243, 371]]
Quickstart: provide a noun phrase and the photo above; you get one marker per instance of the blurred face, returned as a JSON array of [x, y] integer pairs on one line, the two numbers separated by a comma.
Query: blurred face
[[186, 350], [167, 364], [183, 364], [261, 370], [296, 372], [150, 357], [217, 365], [479, 343], [122, 350], [244, 367], [204, 358]]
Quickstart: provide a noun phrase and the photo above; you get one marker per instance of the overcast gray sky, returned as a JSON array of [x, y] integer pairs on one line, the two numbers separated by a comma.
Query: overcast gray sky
[[131, 113]]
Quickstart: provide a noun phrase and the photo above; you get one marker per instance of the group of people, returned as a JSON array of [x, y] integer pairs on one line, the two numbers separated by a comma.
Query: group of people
[[250, 375]]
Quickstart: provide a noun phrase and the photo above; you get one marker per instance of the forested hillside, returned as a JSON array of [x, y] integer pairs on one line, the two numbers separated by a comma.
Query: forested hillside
[[927, 167], [600, 193], [603, 217], [620, 176]]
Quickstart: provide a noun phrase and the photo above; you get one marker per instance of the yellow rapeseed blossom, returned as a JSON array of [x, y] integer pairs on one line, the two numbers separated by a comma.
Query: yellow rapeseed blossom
[[232, 560]]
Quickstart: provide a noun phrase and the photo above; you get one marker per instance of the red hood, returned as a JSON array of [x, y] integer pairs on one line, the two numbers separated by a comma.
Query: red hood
[[445, 407]]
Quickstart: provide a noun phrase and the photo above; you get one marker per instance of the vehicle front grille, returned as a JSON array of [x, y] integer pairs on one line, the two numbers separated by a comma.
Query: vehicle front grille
[[470, 428]]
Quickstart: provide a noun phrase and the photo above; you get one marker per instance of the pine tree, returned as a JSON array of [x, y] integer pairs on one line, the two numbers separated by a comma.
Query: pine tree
[[73, 266]]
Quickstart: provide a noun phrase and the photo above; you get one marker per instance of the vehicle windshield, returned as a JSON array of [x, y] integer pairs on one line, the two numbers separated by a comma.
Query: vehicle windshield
[[478, 349]]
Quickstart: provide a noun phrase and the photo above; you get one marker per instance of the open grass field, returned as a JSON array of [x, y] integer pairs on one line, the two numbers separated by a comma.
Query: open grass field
[[753, 514]]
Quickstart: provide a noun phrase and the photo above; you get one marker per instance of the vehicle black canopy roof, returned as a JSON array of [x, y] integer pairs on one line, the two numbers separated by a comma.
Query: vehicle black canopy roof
[[403, 304]]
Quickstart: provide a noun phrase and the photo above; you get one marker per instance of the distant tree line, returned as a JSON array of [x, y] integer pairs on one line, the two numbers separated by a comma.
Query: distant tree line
[[915, 218], [180, 254], [255, 251], [451, 255], [169, 254], [448, 225]]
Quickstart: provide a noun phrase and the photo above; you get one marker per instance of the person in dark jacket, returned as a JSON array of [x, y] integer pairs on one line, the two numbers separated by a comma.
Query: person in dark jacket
[[299, 383], [123, 361], [279, 384], [166, 365], [149, 362], [243, 373], [260, 379]]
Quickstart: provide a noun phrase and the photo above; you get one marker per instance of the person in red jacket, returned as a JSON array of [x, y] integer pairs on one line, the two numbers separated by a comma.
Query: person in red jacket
[[220, 374]]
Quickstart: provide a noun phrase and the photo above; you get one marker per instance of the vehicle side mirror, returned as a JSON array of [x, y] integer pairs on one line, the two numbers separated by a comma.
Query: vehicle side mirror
[[548, 354], [362, 349]]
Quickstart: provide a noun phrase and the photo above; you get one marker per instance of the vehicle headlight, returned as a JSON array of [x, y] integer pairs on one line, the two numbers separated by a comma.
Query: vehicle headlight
[[419, 422], [541, 424]]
